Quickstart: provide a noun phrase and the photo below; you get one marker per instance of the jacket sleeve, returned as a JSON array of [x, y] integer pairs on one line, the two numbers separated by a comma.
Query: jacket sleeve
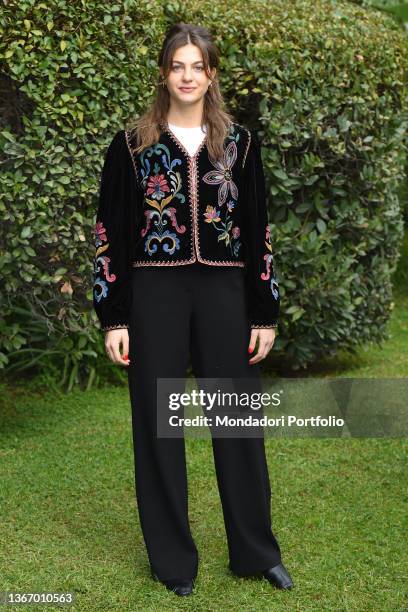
[[261, 283], [114, 225]]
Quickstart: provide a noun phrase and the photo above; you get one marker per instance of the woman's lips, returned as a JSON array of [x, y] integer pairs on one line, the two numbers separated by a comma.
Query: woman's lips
[[187, 89]]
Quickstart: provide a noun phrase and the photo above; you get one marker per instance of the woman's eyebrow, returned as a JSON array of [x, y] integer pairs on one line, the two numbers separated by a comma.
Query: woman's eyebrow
[[177, 62]]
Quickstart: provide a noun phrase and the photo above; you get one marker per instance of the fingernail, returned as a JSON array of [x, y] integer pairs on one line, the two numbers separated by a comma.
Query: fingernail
[[125, 357], [250, 350]]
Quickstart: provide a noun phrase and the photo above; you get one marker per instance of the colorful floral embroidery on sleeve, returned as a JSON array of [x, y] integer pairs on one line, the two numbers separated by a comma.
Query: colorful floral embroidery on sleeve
[[101, 263], [268, 257]]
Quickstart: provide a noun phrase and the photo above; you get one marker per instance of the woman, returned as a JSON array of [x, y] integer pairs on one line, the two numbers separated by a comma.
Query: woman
[[184, 264]]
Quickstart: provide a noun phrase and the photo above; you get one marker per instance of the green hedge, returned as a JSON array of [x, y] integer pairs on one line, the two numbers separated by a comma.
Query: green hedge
[[323, 84]]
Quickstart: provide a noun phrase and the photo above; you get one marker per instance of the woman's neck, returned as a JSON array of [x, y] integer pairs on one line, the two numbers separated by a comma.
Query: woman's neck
[[186, 119]]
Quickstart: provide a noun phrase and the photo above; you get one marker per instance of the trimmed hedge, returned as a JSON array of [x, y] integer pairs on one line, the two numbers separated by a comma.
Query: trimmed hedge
[[323, 82]]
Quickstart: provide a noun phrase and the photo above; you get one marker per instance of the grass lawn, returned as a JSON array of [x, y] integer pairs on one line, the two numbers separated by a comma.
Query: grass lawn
[[69, 516]]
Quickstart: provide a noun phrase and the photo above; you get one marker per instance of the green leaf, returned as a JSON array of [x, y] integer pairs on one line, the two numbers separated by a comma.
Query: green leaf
[[279, 174]]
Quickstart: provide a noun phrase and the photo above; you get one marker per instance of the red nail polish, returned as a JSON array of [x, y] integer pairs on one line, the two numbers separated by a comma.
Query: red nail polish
[[125, 357], [250, 350]]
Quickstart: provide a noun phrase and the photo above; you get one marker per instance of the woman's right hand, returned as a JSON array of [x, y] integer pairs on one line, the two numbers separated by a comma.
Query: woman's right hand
[[113, 339]]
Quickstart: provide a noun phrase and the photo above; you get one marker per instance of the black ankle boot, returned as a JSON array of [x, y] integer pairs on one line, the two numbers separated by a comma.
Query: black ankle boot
[[279, 577], [178, 586]]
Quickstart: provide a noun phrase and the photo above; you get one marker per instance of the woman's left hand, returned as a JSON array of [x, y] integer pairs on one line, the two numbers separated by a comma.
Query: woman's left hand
[[266, 338]]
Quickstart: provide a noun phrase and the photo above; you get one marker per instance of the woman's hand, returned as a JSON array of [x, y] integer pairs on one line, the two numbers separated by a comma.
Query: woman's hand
[[113, 339], [266, 339]]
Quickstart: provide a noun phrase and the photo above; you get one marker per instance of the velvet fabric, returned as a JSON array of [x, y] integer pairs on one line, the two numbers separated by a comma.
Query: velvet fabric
[[165, 207]]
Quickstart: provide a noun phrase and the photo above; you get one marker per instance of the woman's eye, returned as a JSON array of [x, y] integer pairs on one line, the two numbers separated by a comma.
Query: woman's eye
[[200, 68]]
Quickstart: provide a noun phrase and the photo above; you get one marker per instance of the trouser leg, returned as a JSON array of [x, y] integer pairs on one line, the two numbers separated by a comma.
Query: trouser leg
[[159, 347], [220, 334]]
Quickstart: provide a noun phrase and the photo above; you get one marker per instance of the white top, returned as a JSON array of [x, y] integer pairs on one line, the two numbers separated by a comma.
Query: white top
[[190, 137]]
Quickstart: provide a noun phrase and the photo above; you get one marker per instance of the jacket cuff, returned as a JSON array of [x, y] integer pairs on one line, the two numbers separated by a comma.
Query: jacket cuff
[[264, 325], [109, 326]]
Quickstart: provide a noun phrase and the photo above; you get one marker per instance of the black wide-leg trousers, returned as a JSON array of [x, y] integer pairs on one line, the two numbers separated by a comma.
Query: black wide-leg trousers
[[199, 312]]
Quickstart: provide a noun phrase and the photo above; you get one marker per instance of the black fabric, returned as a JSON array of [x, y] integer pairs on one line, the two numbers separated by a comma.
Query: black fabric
[[261, 282], [200, 313], [114, 235], [163, 207]]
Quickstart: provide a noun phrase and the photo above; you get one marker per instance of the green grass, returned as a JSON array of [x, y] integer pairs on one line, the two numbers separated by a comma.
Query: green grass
[[69, 517], [70, 523]]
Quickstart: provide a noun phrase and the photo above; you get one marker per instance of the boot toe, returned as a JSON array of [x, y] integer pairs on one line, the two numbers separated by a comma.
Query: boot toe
[[177, 586], [279, 577]]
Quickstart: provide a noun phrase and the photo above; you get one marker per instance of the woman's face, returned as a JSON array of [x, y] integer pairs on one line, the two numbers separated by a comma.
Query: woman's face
[[187, 81]]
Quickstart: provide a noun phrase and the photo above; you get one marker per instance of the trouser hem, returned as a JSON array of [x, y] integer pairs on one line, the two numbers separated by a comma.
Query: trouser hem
[[156, 577], [254, 571]]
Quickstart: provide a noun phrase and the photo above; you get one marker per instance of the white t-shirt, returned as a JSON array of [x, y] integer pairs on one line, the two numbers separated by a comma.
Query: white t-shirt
[[190, 137]]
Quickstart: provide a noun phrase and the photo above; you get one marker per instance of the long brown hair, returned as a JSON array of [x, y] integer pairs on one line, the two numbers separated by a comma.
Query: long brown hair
[[148, 126]]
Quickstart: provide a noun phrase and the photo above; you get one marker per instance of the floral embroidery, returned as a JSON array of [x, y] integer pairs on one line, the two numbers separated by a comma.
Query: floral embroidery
[[160, 190], [156, 186], [100, 234], [222, 175], [152, 248], [268, 257], [212, 215], [101, 263]]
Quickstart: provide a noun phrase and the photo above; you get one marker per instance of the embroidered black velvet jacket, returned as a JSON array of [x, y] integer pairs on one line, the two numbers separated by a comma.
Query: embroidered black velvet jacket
[[164, 207]]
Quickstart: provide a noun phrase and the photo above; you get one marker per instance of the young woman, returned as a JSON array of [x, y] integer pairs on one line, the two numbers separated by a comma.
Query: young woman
[[184, 267]]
